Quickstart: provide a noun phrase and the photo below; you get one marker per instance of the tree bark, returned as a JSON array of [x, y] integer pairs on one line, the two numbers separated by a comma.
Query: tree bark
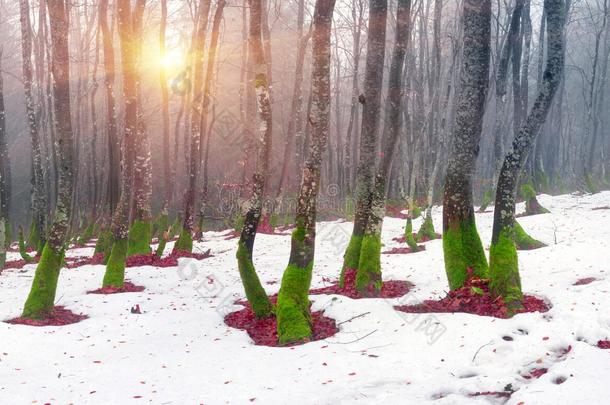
[[504, 270], [5, 178], [42, 295], [462, 246], [293, 315]]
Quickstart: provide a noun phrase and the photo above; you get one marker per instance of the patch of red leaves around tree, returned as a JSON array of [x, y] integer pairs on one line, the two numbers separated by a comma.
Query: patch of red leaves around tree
[[474, 298], [535, 373], [264, 331], [389, 289], [128, 287], [403, 250], [585, 281], [604, 344], [59, 316], [18, 264], [78, 261], [402, 239], [168, 261], [395, 212]]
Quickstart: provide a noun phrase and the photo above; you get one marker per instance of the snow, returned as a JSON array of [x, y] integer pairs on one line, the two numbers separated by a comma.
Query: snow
[[179, 351]]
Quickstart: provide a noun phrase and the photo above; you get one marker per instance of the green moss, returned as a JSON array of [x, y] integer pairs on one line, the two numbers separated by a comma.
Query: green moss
[[86, 236], [115, 268], [293, 316], [351, 258], [409, 235], [42, 294], [426, 231], [33, 237], [463, 250], [139, 238], [368, 277], [523, 241], [255, 293], [184, 242], [414, 211], [527, 191], [273, 220], [487, 199], [238, 223], [23, 249], [104, 242], [504, 270]]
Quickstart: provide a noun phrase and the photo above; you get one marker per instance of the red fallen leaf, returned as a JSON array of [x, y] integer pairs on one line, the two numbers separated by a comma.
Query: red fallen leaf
[[97, 361], [352, 374], [127, 288], [603, 344], [585, 281], [469, 300], [59, 316], [252, 399], [264, 331], [226, 382], [324, 364], [499, 394], [137, 396], [389, 289], [545, 338]]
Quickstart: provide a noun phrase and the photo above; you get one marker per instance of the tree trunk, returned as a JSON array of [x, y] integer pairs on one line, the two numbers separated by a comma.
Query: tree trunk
[[293, 315], [5, 180], [167, 171], [371, 99], [115, 268], [113, 142], [504, 270], [254, 290], [185, 241], [462, 246], [39, 199], [42, 295], [368, 277]]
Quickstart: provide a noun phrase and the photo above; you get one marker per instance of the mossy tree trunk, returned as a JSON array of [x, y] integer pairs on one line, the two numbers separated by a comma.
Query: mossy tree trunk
[[462, 246], [504, 269], [368, 276], [185, 240], [371, 101], [293, 316], [140, 234], [39, 196], [167, 171], [42, 294], [115, 267], [254, 290]]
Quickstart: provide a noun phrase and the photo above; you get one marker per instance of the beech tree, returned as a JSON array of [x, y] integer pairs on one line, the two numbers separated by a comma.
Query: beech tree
[[371, 101], [5, 180], [462, 246], [42, 294], [504, 269], [127, 24], [293, 316], [254, 290]]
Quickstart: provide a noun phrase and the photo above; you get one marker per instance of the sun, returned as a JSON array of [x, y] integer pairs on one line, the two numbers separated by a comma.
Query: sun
[[173, 60]]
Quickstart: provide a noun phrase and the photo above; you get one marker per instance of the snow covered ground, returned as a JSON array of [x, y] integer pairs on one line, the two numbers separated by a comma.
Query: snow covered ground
[[179, 351]]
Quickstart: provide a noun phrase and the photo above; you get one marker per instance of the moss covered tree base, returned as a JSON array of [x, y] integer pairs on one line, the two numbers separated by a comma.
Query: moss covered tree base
[[292, 311], [140, 236], [42, 295], [115, 268], [351, 258], [525, 242], [504, 271], [426, 231], [86, 236], [257, 297], [184, 242], [463, 252], [409, 239], [368, 276], [104, 245]]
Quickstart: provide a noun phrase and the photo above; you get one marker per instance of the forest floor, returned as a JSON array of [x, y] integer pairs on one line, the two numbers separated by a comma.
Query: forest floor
[[180, 351]]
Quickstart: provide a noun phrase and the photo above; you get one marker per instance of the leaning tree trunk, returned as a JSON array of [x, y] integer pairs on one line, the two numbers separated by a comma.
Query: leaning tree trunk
[[4, 177], [39, 198], [254, 290], [115, 268], [42, 294], [167, 171], [504, 269], [462, 246], [185, 241], [368, 277], [371, 100], [293, 315]]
